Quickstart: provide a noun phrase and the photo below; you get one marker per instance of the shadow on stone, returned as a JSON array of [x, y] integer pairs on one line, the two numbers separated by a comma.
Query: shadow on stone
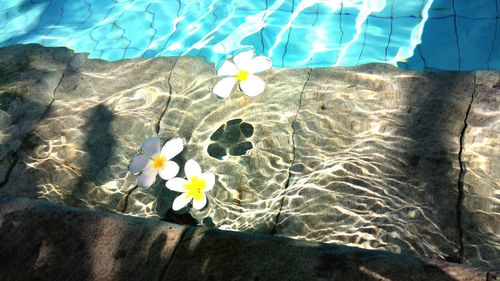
[[29, 76], [18, 118], [219, 255], [99, 146], [36, 249], [41, 240], [435, 125]]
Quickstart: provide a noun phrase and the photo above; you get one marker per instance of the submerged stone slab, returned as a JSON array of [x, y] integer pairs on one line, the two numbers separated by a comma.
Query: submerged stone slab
[[481, 156], [255, 136], [47, 241], [376, 160], [102, 113], [29, 76], [374, 149]]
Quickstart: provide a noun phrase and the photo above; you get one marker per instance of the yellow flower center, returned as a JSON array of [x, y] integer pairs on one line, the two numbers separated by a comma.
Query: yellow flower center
[[195, 188], [242, 75], [159, 162]]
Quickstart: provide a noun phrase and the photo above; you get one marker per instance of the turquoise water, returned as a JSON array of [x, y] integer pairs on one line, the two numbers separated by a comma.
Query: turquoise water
[[415, 34]]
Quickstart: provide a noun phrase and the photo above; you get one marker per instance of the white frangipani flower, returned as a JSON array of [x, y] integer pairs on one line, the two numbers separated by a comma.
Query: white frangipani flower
[[155, 161], [193, 188], [242, 70]]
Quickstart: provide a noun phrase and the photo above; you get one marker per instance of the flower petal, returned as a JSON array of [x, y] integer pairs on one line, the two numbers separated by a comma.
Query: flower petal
[[209, 180], [192, 168], [170, 171], [147, 178], [243, 59], [224, 87], [151, 146], [176, 184], [227, 69], [253, 86], [172, 147], [259, 64], [181, 201], [199, 204], [138, 163]]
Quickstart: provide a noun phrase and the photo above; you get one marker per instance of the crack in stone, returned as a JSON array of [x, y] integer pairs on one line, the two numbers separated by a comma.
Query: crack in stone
[[54, 93], [294, 122], [123, 209], [157, 128], [15, 154], [463, 170], [181, 239], [9, 170]]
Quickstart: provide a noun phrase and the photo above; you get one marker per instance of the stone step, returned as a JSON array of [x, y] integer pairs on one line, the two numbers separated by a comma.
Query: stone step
[[42, 240]]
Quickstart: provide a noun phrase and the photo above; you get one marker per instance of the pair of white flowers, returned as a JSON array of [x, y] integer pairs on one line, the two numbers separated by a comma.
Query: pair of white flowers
[[155, 161]]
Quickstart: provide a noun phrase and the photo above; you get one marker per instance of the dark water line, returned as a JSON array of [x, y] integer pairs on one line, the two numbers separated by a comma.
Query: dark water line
[[273, 230], [57, 23], [457, 41], [262, 30], [494, 38], [175, 27], [314, 25], [390, 33], [150, 25], [422, 56], [340, 28], [364, 43], [463, 170], [287, 39]]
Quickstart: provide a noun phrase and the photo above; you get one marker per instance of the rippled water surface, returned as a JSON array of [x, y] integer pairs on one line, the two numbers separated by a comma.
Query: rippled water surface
[[455, 35], [365, 157]]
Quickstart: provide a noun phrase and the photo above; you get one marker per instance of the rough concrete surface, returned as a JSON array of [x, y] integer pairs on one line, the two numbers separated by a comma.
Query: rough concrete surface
[[481, 181], [45, 241]]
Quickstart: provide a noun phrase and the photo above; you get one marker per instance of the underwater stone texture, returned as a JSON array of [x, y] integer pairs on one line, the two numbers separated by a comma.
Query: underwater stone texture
[[28, 78], [376, 160], [247, 194], [365, 156], [481, 155], [79, 153]]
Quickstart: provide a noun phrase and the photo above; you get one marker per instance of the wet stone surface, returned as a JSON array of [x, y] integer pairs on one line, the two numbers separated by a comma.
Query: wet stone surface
[[78, 153], [481, 155], [365, 157], [248, 189], [28, 79], [379, 147]]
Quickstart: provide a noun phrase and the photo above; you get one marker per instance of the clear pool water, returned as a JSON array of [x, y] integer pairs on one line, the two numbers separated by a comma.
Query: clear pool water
[[415, 34]]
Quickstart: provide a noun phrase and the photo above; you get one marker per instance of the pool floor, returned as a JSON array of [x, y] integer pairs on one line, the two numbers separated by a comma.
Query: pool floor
[[412, 34]]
